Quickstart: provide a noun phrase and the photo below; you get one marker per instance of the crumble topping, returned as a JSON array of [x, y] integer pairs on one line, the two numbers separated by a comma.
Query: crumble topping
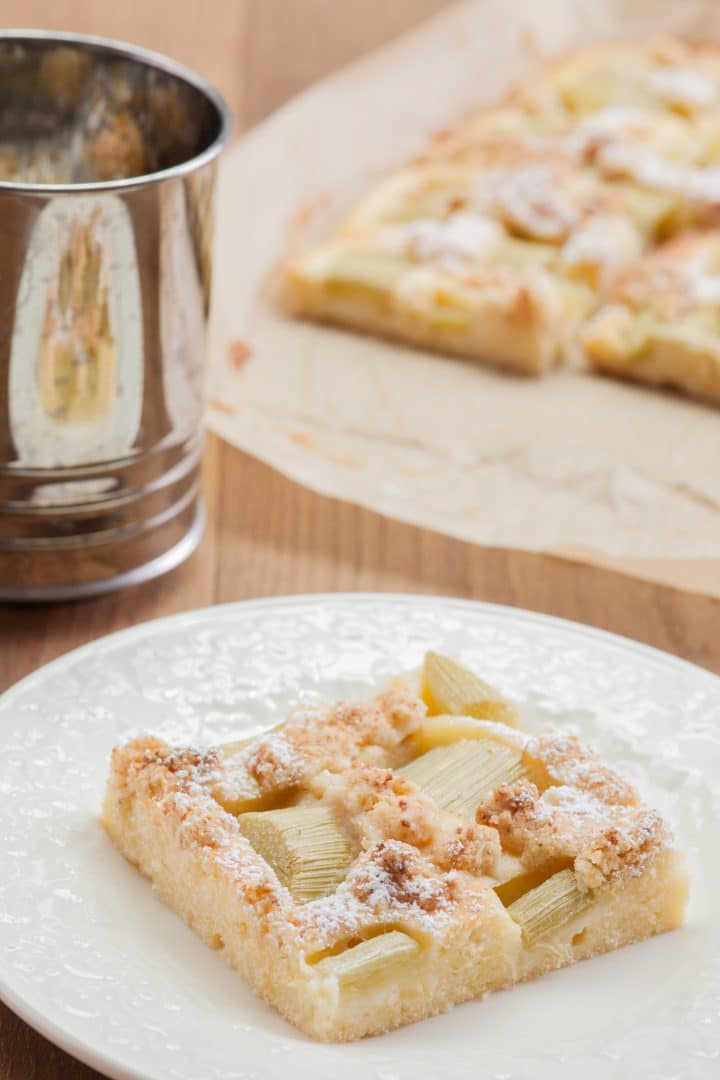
[[378, 804], [316, 741], [700, 184], [683, 87], [675, 280], [533, 201], [390, 885], [461, 237], [616, 123], [604, 841], [569, 763], [396, 876], [274, 762]]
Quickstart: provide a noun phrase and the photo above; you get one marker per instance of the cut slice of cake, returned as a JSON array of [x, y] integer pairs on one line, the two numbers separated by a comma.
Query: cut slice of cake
[[662, 324], [365, 866], [500, 264], [452, 299], [665, 74], [510, 228]]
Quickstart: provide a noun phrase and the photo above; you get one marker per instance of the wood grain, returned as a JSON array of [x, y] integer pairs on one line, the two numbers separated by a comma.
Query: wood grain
[[267, 535]]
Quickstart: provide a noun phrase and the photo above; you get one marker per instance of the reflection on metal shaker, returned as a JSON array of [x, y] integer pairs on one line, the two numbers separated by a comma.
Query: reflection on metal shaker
[[104, 304]]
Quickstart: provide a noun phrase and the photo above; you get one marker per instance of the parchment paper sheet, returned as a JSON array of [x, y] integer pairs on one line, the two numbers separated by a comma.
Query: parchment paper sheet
[[573, 464]]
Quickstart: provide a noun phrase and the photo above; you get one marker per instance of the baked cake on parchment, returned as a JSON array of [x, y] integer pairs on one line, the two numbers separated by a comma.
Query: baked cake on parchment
[[367, 865], [505, 236]]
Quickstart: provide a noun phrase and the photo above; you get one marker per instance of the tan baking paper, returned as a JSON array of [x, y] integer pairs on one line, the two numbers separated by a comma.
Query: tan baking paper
[[573, 464]]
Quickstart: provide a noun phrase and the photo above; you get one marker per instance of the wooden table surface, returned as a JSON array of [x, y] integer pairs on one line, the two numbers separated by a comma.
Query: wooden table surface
[[267, 535]]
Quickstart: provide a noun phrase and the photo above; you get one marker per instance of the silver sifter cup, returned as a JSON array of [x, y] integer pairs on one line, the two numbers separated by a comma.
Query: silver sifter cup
[[107, 173]]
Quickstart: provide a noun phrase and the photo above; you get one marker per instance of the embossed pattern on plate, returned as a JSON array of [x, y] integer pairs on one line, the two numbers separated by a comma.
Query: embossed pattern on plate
[[94, 961]]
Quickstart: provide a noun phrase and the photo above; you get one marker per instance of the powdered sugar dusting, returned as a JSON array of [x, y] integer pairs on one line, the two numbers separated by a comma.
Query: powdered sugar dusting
[[568, 762], [608, 242], [391, 883], [704, 184], [608, 125], [700, 184], [683, 87], [463, 236], [706, 289], [531, 200], [278, 762], [309, 742]]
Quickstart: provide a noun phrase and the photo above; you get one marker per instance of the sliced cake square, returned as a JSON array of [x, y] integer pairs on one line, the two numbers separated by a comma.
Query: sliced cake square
[[368, 865], [662, 324], [500, 263], [509, 229]]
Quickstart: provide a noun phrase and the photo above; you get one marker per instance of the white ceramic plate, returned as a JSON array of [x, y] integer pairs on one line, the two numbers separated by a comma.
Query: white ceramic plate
[[94, 961]]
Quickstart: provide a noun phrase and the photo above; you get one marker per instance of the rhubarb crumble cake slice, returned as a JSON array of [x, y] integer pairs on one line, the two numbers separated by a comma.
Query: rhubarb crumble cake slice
[[369, 865], [508, 229], [662, 322], [500, 264]]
